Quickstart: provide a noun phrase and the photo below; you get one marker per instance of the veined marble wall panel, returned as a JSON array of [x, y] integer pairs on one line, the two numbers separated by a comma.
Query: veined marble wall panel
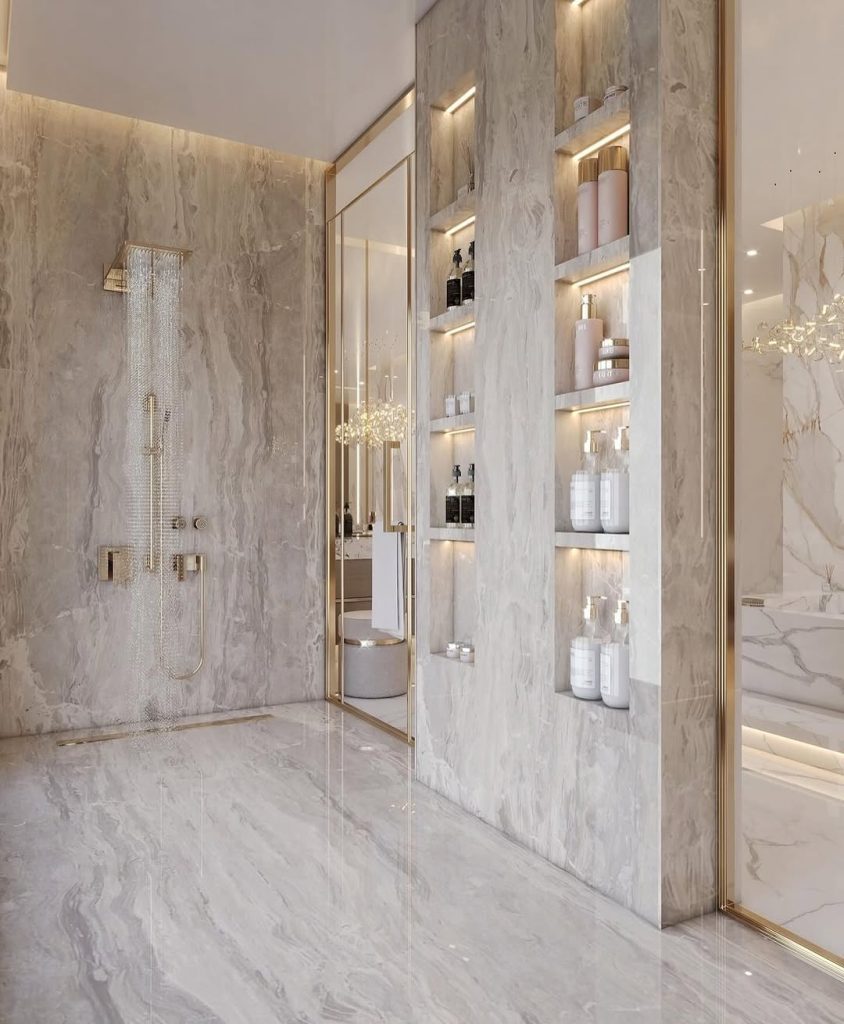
[[73, 184]]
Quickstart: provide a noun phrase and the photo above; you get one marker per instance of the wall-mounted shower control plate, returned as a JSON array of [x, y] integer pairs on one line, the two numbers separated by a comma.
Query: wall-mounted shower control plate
[[114, 564]]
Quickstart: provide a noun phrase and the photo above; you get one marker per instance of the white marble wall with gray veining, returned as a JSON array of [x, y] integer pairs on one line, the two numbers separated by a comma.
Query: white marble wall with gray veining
[[625, 800], [73, 184]]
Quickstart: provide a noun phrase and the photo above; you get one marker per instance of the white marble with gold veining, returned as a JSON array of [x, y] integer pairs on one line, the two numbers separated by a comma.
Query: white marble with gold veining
[[74, 183]]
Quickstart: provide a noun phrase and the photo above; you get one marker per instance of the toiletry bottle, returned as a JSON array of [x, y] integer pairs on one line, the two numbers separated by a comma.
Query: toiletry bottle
[[452, 499], [469, 276], [615, 487], [585, 491], [588, 334], [612, 194], [348, 522], [467, 499], [587, 205], [453, 290], [615, 661], [585, 661]]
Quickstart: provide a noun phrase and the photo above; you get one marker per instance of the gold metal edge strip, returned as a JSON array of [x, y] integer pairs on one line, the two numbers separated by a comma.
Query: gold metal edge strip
[[380, 124], [725, 541], [180, 727], [364, 716]]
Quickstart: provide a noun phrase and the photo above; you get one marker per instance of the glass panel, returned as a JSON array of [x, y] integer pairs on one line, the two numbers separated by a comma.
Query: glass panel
[[790, 467], [373, 498]]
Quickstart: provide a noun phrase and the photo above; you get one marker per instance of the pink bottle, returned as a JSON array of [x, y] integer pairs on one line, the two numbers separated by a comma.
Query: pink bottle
[[587, 205], [588, 334], [612, 194]]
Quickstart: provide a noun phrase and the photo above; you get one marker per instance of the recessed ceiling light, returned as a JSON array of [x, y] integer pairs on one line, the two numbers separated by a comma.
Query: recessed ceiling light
[[752, 252], [748, 291]]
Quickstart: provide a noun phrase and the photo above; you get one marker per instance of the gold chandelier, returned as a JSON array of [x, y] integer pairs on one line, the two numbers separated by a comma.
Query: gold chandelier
[[373, 425], [818, 338]]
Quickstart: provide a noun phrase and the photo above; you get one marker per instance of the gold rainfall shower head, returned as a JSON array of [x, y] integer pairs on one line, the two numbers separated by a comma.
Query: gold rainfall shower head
[[115, 276]]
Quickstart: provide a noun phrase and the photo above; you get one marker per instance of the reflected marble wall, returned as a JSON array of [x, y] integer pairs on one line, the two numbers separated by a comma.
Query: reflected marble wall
[[73, 184], [813, 400]]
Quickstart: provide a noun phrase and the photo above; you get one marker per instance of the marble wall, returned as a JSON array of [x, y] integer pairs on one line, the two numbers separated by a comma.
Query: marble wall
[[625, 801], [73, 184]]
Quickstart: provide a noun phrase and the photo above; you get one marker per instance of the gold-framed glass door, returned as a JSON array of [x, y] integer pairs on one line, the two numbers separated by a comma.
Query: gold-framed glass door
[[370, 398], [782, 473]]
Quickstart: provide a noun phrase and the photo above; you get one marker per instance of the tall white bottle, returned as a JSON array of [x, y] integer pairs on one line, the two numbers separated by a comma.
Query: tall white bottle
[[615, 487], [588, 335], [585, 656], [585, 489], [587, 205], [615, 661], [613, 200]]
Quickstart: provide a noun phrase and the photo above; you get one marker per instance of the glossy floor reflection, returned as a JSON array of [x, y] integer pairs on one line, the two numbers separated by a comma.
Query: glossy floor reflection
[[288, 870]]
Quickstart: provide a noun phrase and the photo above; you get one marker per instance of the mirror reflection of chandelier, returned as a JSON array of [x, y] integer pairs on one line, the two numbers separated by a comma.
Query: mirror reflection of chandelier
[[819, 338], [373, 424]]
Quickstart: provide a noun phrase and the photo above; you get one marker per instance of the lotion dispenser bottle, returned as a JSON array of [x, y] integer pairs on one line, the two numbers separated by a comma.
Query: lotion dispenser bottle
[[468, 279], [588, 335], [585, 663], [467, 500], [615, 487], [615, 661], [585, 490], [452, 499], [453, 288]]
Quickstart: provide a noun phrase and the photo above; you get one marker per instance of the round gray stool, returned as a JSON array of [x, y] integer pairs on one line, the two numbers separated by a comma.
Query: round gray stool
[[374, 662]]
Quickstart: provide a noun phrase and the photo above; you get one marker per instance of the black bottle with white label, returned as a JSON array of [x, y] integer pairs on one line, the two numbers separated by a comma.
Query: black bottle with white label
[[469, 276], [453, 290], [467, 499], [452, 499]]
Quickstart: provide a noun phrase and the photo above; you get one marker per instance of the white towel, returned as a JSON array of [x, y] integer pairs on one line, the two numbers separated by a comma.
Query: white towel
[[387, 581]]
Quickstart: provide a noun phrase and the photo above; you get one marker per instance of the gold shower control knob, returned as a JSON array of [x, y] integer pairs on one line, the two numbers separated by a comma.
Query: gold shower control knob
[[200, 522]]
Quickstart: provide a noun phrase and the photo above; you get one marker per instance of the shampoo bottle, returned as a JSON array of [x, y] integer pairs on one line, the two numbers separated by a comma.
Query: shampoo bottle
[[452, 499], [587, 205], [615, 661], [588, 335], [615, 487], [585, 490], [468, 281], [467, 499], [612, 194], [585, 663]]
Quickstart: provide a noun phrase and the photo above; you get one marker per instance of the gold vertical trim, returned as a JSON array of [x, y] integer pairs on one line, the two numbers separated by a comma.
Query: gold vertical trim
[[379, 125], [726, 539]]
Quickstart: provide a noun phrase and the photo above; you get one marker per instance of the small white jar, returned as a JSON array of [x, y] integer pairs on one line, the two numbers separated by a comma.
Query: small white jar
[[465, 402], [611, 371], [585, 105], [452, 651], [614, 348], [451, 405], [467, 654]]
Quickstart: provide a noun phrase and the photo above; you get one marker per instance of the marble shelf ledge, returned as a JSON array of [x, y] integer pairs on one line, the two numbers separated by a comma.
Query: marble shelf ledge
[[818, 727], [617, 716], [614, 257], [453, 321], [452, 424], [442, 656], [608, 118], [593, 541], [460, 534], [592, 399], [453, 214]]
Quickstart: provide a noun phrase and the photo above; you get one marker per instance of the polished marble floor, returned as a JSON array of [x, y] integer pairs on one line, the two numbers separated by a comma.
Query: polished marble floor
[[288, 870], [391, 710]]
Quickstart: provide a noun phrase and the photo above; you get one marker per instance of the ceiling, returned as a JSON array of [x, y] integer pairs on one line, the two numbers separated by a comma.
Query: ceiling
[[298, 76]]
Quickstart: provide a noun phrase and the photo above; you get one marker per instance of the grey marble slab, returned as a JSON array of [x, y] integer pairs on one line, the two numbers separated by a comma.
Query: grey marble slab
[[74, 184], [291, 870]]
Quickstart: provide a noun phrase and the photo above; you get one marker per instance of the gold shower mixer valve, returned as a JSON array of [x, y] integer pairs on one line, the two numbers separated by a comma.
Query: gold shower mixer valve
[[183, 564]]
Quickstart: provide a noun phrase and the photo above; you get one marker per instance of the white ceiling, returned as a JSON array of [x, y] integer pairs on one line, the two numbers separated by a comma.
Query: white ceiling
[[298, 76]]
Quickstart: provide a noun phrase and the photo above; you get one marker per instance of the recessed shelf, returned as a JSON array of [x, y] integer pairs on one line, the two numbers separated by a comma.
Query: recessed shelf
[[591, 399], [608, 259], [453, 215], [619, 714], [454, 424], [452, 661], [463, 535], [453, 321], [593, 541], [607, 119]]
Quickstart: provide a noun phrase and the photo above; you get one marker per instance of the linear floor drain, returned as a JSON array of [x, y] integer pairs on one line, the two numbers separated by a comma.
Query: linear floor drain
[[182, 727]]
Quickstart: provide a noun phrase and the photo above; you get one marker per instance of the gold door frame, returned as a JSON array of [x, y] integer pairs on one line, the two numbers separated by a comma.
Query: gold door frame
[[333, 321], [726, 539]]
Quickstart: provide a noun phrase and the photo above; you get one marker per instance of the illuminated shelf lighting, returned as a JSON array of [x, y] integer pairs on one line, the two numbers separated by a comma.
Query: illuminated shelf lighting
[[459, 330], [458, 103], [461, 225], [602, 408], [619, 133], [620, 269], [461, 430]]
